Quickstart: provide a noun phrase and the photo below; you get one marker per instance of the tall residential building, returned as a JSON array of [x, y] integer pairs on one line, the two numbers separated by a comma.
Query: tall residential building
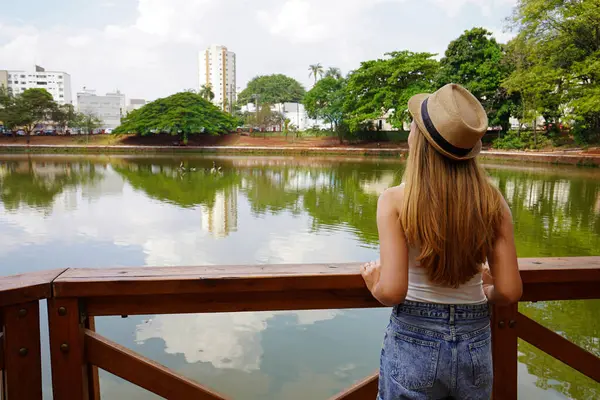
[[217, 70], [107, 108], [58, 84]]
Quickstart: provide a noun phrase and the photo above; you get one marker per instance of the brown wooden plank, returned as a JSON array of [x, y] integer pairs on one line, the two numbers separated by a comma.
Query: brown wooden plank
[[363, 390], [69, 369], [92, 370], [22, 350], [140, 281], [561, 291], [504, 352], [260, 278], [22, 288], [141, 371], [230, 302], [558, 347]]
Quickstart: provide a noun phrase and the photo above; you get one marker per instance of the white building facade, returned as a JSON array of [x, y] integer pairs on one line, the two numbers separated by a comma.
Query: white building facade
[[58, 84], [135, 104], [217, 69], [295, 112], [107, 108]]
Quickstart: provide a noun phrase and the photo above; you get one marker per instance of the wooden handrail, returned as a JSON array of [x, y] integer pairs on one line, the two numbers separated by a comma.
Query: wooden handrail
[[76, 295], [30, 286]]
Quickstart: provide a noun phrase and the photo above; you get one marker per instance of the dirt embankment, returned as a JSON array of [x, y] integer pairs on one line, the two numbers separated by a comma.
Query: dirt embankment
[[203, 141]]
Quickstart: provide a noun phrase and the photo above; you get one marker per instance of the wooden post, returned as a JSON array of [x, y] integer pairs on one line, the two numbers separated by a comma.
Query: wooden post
[[504, 351], [22, 351], [69, 367], [2, 388]]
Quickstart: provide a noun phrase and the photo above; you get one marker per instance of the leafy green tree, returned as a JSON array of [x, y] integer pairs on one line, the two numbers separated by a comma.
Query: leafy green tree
[[65, 116], [326, 101], [33, 107], [206, 92], [272, 89], [475, 60], [87, 121], [385, 85], [180, 114], [8, 115], [316, 71], [561, 38], [265, 118]]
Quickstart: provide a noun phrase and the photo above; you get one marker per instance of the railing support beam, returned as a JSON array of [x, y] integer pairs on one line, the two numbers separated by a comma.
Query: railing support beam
[[22, 352], [69, 369], [504, 351]]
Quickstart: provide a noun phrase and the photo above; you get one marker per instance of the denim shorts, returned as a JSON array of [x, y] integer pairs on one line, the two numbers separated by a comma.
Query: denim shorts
[[437, 351]]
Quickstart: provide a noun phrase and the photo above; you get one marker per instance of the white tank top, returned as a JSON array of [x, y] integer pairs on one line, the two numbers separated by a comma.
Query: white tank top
[[422, 290]]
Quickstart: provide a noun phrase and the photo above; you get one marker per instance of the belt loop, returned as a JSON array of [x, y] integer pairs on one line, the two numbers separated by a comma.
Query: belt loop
[[452, 309]]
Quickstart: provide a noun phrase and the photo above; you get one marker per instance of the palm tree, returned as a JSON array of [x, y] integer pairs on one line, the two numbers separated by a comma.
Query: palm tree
[[316, 70], [206, 92], [333, 72]]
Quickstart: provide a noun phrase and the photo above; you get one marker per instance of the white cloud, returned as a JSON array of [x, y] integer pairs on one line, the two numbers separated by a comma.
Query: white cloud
[[454, 7], [153, 53], [226, 340]]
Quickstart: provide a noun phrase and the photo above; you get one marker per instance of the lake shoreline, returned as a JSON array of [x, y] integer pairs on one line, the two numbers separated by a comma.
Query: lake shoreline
[[557, 157]]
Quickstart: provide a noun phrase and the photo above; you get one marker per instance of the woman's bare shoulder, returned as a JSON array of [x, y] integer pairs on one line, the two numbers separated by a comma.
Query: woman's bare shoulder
[[392, 197]]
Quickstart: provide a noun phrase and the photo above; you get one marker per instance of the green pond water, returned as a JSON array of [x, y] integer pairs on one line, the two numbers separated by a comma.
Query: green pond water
[[77, 211]]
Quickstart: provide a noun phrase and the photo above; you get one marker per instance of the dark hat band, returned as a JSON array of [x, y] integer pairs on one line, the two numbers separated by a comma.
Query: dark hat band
[[437, 138]]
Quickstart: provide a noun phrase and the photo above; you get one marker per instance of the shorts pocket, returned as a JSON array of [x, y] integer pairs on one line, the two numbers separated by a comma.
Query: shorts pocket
[[481, 356], [412, 362]]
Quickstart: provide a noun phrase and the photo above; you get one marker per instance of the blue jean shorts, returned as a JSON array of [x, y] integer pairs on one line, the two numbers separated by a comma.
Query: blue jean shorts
[[437, 351]]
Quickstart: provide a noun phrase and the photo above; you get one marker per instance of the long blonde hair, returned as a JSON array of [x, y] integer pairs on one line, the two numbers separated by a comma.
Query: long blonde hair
[[450, 212]]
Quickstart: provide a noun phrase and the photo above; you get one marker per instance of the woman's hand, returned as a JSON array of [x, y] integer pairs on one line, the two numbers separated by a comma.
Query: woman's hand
[[370, 273], [488, 281]]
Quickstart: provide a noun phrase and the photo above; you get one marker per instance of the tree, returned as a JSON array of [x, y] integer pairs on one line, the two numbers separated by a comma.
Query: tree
[[206, 92], [316, 71], [333, 72], [272, 89], [474, 60], [561, 39], [65, 116], [180, 114], [385, 85], [8, 115], [32, 107], [326, 101], [87, 121], [265, 117]]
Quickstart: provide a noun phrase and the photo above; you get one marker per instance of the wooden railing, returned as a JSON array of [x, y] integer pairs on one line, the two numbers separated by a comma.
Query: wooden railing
[[76, 296]]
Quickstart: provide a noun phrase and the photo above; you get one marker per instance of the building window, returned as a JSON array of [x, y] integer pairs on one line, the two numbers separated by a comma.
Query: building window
[[22, 76]]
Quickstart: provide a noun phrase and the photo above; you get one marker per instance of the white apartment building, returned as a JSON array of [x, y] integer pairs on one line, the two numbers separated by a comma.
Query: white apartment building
[[107, 108], [58, 84], [217, 70], [295, 112]]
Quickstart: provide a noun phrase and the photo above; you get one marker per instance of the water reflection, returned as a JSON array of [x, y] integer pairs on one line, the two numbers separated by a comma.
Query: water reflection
[[224, 340], [63, 211]]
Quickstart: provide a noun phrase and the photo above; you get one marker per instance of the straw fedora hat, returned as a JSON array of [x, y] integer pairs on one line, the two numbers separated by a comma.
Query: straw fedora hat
[[452, 120]]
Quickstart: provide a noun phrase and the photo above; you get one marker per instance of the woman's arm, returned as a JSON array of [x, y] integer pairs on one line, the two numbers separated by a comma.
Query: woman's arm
[[507, 286], [388, 279]]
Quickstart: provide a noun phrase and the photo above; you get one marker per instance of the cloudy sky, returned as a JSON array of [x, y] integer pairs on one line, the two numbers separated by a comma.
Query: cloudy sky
[[149, 48]]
